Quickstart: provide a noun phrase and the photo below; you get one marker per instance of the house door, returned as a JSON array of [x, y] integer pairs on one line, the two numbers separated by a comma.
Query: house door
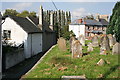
[[36, 43]]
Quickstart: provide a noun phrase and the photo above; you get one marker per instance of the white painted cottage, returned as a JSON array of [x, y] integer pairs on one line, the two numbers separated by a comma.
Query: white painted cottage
[[36, 34], [18, 30]]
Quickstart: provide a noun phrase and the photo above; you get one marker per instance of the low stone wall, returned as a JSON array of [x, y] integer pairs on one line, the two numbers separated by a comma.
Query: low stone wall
[[14, 58]]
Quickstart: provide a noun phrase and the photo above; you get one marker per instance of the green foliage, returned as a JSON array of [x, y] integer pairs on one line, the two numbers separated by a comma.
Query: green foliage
[[114, 24], [24, 13], [65, 33], [11, 12], [8, 48], [32, 14]]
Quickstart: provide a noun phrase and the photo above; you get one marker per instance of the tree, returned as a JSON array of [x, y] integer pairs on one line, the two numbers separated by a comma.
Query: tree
[[10, 12], [65, 33], [24, 13], [32, 14], [114, 24]]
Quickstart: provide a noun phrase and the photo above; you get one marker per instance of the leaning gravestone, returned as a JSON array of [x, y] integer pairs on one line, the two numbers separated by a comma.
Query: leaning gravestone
[[95, 41], [81, 38], [72, 39], [101, 62], [90, 47], [62, 44], [116, 48], [77, 49]]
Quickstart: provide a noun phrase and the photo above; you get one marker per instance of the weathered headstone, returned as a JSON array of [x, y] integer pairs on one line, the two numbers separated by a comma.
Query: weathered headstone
[[116, 48], [95, 41], [72, 39], [103, 51], [111, 40], [105, 43], [77, 49], [101, 62], [62, 44], [82, 77], [90, 47], [81, 38]]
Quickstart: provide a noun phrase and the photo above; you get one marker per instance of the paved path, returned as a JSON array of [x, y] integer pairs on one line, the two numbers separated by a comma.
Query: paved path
[[15, 72]]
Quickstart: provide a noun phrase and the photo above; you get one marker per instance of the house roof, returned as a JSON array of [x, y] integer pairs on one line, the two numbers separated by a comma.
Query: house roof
[[45, 24], [90, 22], [103, 22], [25, 24]]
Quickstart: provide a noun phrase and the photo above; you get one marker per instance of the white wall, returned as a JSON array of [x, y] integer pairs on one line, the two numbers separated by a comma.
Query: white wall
[[34, 44], [77, 29], [18, 35]]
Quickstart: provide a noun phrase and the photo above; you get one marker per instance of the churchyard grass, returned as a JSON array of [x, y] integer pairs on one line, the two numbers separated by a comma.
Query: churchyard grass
[[52, 64]]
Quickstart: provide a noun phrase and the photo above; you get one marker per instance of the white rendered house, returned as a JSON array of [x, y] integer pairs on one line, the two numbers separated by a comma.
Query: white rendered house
[[18, 30], [88, 27]]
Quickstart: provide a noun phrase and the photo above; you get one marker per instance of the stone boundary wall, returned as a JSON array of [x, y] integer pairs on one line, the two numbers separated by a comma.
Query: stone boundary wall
[[14, 58]]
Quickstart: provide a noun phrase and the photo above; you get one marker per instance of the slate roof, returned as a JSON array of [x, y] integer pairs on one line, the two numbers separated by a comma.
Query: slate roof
[[45, 24], [90, 22], [26, 25], [103, 22]]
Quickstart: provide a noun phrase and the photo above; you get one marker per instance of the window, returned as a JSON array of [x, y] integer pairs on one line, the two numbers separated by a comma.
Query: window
[[6, 34]]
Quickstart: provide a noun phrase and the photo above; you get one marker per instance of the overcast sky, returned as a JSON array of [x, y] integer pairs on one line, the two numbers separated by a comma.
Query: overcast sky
[[76, 7]]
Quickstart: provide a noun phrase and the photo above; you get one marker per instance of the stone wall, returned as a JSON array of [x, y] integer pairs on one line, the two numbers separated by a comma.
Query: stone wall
[[14, 58], [49, 39]]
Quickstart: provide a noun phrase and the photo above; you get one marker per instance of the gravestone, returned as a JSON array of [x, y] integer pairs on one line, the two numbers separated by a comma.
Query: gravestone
[[62, 44], [77, 49], [116, 48], [101, 62], [82, 77], [90, 47], [81, 38], [103, 51], [72, 39], [95, 41], [111, 40], [104, 45]]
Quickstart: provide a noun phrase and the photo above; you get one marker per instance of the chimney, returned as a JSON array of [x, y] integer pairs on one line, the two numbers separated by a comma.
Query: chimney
[[40, 18], [97, 17], [51, 18], [51, 21]]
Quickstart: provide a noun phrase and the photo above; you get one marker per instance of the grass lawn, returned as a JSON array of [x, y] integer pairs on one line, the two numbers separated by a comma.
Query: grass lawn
[[52, 64]]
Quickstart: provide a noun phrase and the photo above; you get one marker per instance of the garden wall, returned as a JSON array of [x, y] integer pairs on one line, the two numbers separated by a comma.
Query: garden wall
[[13, 58]]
